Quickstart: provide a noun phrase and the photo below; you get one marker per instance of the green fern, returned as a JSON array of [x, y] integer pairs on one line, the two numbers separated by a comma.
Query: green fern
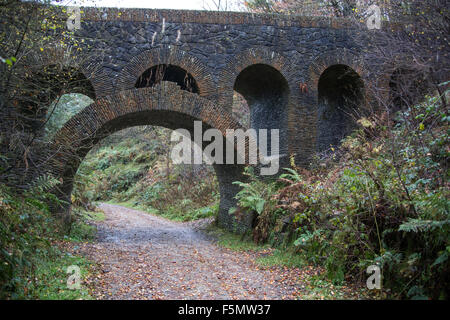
[[43, 184], [292, 175], [418, 225]]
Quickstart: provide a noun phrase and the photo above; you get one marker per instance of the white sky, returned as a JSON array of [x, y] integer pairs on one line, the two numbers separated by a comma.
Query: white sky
[[157, 4]]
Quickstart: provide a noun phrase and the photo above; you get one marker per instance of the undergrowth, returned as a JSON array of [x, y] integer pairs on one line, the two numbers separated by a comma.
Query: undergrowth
[[381, 199], [312, 284], [32, 266]]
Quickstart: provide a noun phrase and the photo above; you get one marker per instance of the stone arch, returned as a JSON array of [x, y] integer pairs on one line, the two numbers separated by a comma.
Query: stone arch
[[45, 85], [245, 59], [167, 56], [336, 79], [163, 105], [335, 57], [91, 70], [171, 73], [377, 80], [52, 73], [277, 65], [403, 85]]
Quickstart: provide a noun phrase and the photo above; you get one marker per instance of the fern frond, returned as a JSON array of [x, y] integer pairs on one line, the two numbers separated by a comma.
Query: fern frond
[[43, 184], [292, 175], [418, 225]]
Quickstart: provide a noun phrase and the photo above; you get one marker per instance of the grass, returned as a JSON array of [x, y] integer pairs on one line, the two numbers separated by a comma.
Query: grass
[[96, 215], [282, 258], [82, 230], [51, 279], [177, 214], [271, 257], [233, 241], [51, 273]]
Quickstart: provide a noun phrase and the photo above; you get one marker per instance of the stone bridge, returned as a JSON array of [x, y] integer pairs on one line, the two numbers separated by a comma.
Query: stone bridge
[[302, 75]]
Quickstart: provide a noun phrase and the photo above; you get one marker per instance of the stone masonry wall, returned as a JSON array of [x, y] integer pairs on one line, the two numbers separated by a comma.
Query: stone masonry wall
[[118, 45]]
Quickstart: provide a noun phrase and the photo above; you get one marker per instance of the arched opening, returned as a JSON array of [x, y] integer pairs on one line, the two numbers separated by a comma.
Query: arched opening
[[99, 120], [267, 92], [46, 86], [133, 167], [62, 109], [407, 87], [341, 93], [167, 72], [225, 174]]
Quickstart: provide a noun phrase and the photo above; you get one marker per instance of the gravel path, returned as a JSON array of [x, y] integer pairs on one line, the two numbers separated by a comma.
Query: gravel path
[[142, 256]]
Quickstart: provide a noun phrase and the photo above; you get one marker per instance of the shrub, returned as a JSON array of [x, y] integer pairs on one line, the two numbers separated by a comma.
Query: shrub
[[256, 199], [26, 231], [385, 203]]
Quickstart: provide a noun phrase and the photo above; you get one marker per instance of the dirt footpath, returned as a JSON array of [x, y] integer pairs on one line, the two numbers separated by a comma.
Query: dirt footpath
[[142, 256]]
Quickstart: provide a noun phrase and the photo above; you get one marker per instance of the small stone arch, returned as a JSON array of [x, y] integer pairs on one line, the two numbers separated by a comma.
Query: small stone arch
[[335, 57], [245, 59], [92, 71], [382, 78], [284, 67], [164, 105], [395, 73], [167, 56], [330, 75]]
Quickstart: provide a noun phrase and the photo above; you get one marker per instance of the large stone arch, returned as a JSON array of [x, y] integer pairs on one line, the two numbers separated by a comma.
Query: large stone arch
[[164, 105], [167, 56]]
